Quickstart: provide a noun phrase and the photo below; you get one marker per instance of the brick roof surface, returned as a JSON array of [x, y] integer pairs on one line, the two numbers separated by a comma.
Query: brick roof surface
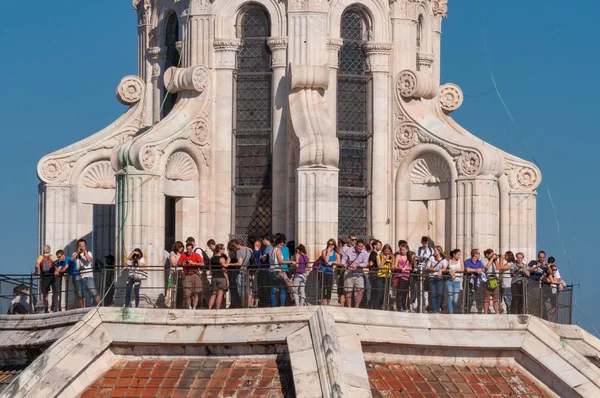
[[419, 380], [195, 378], [8, 374]]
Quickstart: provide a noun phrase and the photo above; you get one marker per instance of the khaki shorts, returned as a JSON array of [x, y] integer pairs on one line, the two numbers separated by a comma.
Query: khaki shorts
[[218, 284], [353, 281], [192, 285]]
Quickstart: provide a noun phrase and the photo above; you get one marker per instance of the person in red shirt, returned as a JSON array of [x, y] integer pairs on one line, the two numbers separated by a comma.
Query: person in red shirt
[[192, 284]]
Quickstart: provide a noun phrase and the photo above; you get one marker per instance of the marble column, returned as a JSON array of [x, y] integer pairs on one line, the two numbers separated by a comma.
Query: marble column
[[317, 201], [57, 217], [378, 60], [225, 50], [140, 223], [477, 213], [279, 137]]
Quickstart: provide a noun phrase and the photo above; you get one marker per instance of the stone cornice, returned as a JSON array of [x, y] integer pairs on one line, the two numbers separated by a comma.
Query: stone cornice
[[377, 48]]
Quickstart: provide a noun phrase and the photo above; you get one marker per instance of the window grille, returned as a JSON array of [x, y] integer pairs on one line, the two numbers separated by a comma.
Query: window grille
[[352, 131], [252, 185]]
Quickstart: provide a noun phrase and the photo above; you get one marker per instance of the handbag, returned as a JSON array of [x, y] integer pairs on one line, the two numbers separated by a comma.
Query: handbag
[[140, 275]]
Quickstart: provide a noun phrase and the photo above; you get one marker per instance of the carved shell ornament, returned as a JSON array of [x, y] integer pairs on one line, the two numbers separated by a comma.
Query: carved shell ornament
[[429, 169], [130, 90], [52, 170], [149, 158], [99, 175], [406, 135], [180, 166], [469, 163], [450, 97]]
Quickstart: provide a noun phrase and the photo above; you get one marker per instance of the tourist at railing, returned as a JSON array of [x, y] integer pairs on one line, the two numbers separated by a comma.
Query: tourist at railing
[[220, 282], [300, 275], [434, 279], [371, 274], [84, 261], [474, 269], [455, 270], [20, 304], [330, 258], [537, 268], [385, 262], [354, 261], [424, 250], [173, 279], [192, 283], [518, 284], [402, 268], [278, 270], [135, 263], [492, 286], [62, 266], [245, 258], [507, 268], [418, 284], [44, 267]]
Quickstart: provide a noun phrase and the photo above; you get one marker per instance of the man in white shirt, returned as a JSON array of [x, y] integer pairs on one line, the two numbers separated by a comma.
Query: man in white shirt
[[84, 261]]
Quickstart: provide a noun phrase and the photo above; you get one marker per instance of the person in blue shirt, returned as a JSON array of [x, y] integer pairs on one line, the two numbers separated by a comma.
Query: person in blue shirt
[[474, 268], [68, 267]]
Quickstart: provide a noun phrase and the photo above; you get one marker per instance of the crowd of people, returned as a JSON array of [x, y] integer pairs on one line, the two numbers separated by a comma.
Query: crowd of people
[[274, 272]]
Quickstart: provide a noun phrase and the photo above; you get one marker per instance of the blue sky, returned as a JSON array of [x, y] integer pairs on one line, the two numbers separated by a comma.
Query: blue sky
[[63, 61]]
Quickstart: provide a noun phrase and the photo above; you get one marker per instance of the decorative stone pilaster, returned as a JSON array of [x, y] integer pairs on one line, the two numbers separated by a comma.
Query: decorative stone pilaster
[[333, 50], [378, 61], [154, 53], [225, 59], [278, 46]]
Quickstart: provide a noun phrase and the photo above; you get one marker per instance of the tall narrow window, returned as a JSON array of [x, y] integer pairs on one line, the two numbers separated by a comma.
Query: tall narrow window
[[253, 126], [352, 131], [420, 33], [171, 38]]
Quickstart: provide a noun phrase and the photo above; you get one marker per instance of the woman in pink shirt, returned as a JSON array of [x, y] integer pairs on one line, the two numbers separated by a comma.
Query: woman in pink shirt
[[402, 267]]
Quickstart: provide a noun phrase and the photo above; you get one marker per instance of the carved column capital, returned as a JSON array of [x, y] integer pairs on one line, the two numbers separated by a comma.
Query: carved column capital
[[425, 60], [278, 46], [154, 55], [333, 48], [440, 8], [378, 56], [226, 50]]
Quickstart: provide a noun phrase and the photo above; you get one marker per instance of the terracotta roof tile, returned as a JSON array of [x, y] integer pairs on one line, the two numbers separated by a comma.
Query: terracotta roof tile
[[197, 378], [439, 381]]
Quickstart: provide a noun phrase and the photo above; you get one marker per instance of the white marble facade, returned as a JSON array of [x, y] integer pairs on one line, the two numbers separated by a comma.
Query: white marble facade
[[427, 175]]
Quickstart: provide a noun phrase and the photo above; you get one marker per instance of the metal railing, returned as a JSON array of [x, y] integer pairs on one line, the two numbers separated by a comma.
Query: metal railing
[[265, 286]]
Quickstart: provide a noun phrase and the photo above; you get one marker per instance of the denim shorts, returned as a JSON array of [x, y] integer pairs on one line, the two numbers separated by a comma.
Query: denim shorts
[[89, 284], [78, 285]]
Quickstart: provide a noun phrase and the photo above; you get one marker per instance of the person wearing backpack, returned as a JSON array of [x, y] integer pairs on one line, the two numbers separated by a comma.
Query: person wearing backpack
[[203, 275], [44, 267], [245, 260], [492, 286]]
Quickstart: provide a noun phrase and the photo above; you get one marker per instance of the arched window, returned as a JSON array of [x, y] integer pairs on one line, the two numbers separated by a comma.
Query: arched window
[[352, 128], [172, 59], [252, 128]]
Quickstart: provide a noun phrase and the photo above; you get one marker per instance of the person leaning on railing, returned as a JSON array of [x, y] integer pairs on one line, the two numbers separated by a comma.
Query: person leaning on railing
[[44, 267], [220, 282], [507, 268], [434, 279]]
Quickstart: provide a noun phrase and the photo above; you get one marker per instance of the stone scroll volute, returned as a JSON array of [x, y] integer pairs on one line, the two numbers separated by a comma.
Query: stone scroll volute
[[309, 112]]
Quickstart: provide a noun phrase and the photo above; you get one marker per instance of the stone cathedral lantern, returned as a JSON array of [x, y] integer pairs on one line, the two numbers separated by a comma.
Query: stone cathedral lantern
[[313, 118]]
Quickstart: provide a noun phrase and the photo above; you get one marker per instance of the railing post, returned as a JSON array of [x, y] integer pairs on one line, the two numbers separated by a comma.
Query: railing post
[[421, 290], [386, 293], [103, 285], [31, 304]]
